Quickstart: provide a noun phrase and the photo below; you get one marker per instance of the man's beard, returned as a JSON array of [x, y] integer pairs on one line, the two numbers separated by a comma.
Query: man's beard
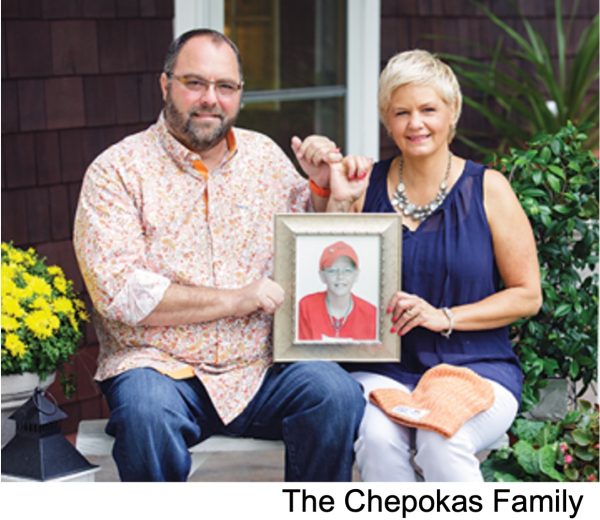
[[196, 137]]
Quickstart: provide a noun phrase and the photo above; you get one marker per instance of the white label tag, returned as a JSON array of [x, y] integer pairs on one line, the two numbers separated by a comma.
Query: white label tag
[[410, 413]]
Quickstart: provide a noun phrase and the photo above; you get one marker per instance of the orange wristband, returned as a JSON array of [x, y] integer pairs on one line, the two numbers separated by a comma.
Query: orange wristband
[[318, 190]]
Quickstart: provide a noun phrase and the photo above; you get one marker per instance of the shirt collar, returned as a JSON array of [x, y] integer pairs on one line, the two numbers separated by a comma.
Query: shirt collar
[[183, 156]]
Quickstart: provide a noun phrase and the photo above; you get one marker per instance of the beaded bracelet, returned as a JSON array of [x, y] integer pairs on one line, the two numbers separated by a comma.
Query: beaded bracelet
[[318, 190], [450, 315]]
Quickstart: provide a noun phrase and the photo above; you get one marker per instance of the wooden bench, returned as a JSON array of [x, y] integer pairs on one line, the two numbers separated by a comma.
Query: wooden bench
[[92, 441]]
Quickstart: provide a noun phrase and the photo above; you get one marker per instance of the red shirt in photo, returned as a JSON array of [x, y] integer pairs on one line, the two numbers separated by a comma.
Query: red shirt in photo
[[314, 322]]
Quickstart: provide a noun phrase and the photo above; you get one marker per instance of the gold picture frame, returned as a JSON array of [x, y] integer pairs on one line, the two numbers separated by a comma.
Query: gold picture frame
[[300, 243]]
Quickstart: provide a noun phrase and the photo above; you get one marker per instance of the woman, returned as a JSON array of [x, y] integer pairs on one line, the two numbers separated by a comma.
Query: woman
[[337, 313], [469, 270]]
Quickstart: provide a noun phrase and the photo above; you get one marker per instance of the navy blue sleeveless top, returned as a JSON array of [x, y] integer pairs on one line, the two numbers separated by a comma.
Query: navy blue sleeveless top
[[448, 260]]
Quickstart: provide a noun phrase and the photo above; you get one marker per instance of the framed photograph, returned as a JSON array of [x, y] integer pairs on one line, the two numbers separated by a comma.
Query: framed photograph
[[338, 271]]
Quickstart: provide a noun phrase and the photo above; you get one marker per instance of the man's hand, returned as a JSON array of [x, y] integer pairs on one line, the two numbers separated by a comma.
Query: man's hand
[[261, 295], [315, 155]]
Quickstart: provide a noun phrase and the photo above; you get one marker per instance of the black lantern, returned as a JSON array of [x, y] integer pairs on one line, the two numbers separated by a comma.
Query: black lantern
[[38, 450]]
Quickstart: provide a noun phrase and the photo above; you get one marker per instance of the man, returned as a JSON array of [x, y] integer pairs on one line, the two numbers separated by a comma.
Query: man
[[174, 238], [336, 313]]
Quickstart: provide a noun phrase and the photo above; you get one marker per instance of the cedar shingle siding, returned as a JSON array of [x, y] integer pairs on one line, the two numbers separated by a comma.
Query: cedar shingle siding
[[77, 75], [461, 29]]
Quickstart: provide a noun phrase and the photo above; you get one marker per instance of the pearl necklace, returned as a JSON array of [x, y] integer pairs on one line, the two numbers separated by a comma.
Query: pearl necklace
[[407, 208]]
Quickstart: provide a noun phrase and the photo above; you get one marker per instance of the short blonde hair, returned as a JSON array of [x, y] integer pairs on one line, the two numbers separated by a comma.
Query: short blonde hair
[[422, 68]]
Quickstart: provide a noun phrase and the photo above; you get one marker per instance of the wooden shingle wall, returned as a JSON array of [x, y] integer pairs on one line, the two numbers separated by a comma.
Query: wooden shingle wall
[[461, 28], [77, 76]]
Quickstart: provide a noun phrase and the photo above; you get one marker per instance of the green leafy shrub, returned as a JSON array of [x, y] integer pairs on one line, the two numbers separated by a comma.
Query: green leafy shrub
[[556, 181], [566, 451]]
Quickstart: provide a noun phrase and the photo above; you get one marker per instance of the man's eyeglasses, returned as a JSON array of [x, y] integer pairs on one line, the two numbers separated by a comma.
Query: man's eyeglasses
[[198, 84], [346, 271]]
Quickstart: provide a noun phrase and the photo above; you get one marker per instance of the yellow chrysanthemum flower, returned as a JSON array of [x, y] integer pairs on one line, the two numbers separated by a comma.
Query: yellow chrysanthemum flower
[[42, 324], [9, 323], [73, 322], [23, 293], [41, 303], [15, 346], [54, 270], [29, 257], [64, 305], [15, 256], [8, 279], [11, 306], [38, 285], [60, 284], [9, 288], [8, 271]]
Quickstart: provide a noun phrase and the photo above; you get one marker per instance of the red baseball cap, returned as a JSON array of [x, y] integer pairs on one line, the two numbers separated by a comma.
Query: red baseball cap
[[332, 252]]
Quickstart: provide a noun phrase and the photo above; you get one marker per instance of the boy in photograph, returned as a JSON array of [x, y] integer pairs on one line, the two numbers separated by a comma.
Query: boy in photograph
[[337, 313]]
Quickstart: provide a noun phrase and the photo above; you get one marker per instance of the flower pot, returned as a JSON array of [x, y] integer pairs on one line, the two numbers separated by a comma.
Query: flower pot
[[16, 389], [554, 401]]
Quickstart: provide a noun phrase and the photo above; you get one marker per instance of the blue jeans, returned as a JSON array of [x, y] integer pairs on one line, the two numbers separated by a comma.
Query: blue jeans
[[314, 406]]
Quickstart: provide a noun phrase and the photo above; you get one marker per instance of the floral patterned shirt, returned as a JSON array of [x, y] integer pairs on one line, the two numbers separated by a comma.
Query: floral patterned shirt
[[149, 216]]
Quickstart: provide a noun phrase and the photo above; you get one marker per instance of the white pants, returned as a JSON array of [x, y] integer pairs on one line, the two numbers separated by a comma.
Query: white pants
[[383, 447]]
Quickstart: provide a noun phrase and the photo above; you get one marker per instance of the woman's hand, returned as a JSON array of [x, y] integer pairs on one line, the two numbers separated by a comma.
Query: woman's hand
[[409, 311], [349, 179]]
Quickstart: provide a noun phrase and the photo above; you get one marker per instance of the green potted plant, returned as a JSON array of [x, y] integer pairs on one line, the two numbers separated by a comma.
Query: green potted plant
[[524, 89], [42, 319]]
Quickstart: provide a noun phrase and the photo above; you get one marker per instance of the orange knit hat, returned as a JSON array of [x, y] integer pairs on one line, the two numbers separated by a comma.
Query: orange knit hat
[[444, 399]]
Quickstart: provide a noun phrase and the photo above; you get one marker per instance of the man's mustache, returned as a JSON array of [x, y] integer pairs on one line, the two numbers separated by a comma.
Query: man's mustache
[[196, 113]]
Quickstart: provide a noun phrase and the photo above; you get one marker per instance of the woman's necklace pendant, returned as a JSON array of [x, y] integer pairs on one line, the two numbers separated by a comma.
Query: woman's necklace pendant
[[414, 211]]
